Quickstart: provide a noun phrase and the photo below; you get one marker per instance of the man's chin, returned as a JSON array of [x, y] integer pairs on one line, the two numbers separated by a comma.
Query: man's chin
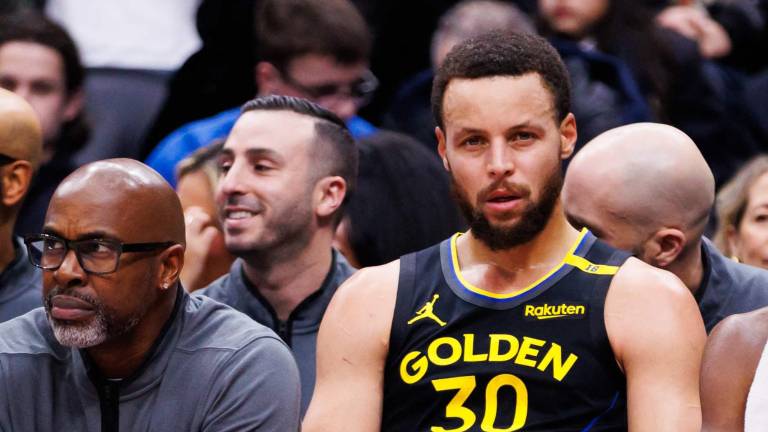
[[78, 335]]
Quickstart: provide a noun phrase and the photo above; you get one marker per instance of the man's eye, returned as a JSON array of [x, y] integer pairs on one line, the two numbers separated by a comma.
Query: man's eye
[[95, 248], [224, 168], [472, 141], [261, 167], [53, 245], [524, 136]]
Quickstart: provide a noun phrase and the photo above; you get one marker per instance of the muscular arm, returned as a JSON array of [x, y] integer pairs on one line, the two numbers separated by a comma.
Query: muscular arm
[[730, 359], [658, 337], [351, 350]]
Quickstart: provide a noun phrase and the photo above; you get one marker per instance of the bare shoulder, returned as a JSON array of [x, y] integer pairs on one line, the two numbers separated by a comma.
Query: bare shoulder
[[741, 338], [646, 305]]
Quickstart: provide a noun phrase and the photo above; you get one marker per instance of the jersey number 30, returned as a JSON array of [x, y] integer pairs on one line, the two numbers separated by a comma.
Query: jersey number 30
[[465, 385]]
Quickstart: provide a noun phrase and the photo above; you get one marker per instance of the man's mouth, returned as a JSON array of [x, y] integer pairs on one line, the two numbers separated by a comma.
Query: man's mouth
[[69, 308]]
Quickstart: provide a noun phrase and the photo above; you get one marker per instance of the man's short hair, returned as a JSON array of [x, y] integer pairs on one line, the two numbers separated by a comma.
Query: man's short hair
[[504, 54], [32, 26], [286, 29], [334, 149]]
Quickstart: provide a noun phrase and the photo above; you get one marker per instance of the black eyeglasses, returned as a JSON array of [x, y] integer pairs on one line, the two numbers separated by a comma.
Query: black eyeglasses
[[5, 159], [361, 89], [96, 256]]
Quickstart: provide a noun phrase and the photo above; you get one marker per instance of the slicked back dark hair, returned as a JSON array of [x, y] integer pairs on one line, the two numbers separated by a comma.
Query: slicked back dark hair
[[32, 26], [334, 151], [502, 53], [286, 29]]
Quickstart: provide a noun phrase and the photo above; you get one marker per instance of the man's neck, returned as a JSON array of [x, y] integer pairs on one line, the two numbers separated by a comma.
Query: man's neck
[[509, 270], [286, 283], [690, 268], [122, 356]]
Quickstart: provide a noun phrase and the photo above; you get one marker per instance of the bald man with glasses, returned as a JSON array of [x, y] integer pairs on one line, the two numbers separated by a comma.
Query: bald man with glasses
[[21, 145], [119, 345]]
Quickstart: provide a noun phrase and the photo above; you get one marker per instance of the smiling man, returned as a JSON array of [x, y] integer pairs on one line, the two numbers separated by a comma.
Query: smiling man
[[119, 345], [522, 323], [286, 171]]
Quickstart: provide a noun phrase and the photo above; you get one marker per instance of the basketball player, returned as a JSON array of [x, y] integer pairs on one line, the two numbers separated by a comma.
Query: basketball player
[[734, 374], [522, 323]]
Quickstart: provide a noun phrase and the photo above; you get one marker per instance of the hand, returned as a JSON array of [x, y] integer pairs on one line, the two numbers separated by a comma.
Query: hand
[[695, 24], [203, 256]]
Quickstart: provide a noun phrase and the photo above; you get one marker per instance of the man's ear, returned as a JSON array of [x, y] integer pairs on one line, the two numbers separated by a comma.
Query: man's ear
[[16, 178], [171, 262], [267, 78], [663, 248], [74, 105], [568, 135], [329, 195], [440, 135]]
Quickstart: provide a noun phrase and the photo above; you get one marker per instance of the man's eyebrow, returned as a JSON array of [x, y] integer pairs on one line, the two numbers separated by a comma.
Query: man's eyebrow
[[90, 235]]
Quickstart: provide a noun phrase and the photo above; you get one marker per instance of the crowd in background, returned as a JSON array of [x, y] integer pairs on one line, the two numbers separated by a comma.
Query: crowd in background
[[138, 78]]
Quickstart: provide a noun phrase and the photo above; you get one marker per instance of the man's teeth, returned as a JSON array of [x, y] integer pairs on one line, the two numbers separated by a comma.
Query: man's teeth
[[239, 214]]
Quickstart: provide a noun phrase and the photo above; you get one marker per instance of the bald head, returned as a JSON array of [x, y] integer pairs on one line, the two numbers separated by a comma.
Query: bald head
[[643, 176], [20, 134], [124, 195]]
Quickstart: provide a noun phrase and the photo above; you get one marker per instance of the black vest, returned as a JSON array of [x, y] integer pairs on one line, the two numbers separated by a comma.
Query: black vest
[[465, 359]]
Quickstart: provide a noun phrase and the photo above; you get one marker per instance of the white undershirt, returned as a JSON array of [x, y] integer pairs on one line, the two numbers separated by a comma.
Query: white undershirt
[[756, 414], [130, 34]]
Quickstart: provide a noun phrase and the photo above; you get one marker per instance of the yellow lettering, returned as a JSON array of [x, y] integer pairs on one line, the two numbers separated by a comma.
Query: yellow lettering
[[435, 358], [527, 350], [495, 354], [469, 351], [419, 366], [581, 310], [570, 310], [492, 401], [554, 356], [529, 310], [456, 408]]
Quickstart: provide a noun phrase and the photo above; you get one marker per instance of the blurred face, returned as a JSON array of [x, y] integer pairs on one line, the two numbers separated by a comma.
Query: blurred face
[[86, 310], [572, 17], [749, 242], [503, 148], [36, 73], [265, 187], [323, 80]]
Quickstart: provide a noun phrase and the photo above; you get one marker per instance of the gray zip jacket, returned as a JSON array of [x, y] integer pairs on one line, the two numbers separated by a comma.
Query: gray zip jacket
[[212, 369]]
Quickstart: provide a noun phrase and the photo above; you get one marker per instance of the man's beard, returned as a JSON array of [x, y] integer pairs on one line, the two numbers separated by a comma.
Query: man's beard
[[104, 325], [532, 219]]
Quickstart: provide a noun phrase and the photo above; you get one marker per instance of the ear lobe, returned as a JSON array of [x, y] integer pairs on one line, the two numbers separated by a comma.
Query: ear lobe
[[440, 135], [568, 136], [172, 261], [330, 193], [732, 242], [670, 243]]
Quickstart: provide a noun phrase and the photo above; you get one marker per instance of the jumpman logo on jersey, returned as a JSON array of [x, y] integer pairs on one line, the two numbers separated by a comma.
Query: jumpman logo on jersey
[[427, 312]]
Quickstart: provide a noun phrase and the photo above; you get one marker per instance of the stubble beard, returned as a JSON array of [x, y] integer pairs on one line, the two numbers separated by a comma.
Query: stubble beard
[[104, 325], [532, 219]]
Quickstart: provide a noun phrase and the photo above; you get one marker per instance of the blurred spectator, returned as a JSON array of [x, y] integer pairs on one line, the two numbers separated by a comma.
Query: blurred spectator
[[675, 84], [732, 31], [742, 211], [206, 257], [411, 111], [315, 49], [21, 146], [130, 49], [216, 77], [402, 202], [40, 62], [286, 171]]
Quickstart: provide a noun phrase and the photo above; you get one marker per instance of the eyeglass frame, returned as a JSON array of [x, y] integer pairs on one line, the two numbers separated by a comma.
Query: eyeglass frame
[[368, 81], [71, 245]]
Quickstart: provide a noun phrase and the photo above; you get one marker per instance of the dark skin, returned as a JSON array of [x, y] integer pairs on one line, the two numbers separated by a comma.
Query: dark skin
[[124, 200], [730, 360]]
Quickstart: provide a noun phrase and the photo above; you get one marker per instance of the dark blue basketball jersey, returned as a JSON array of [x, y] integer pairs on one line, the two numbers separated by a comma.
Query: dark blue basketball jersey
[[465, 359]]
